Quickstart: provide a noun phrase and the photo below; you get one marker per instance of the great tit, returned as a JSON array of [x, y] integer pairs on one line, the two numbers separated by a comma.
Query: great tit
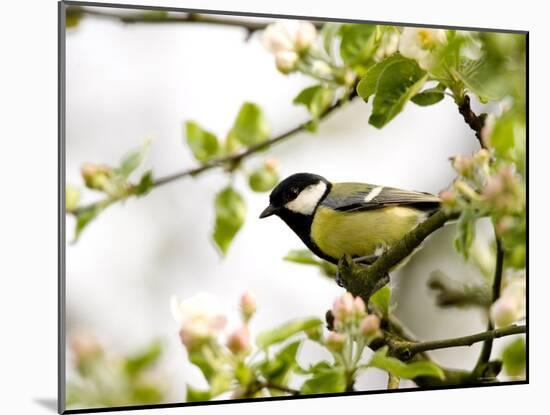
[[356, 219]]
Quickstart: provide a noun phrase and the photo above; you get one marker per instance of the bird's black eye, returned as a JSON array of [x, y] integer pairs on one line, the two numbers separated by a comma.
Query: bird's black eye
[[294, 190]]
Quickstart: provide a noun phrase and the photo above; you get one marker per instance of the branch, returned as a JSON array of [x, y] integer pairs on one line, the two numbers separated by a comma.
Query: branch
[[280, 388], [250, 26], [364, 281], [475, 122], [497, 282], [230, 161], [407, 350], [160, 17], [451, 293]]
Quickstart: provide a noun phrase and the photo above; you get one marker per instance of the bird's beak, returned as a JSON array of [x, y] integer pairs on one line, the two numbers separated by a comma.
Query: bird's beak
[[268, 211]]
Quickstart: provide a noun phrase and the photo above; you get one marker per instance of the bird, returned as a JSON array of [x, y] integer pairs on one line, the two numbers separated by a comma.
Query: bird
[[359, 220]]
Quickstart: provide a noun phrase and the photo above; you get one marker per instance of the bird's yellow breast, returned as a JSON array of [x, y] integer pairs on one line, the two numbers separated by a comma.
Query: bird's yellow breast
[[361, 233]]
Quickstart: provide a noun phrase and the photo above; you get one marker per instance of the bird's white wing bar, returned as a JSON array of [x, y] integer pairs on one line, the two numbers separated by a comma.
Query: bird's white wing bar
[[373, 193]]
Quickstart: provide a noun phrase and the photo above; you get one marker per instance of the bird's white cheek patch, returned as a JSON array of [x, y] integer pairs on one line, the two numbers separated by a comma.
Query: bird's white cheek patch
[[308, 199]]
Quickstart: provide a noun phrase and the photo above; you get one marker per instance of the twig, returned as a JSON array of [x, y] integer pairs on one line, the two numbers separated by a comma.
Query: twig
[[407, 350], [451, 293], [231, 160], [250, 26], [280, 388], [485, 354], [475, 122]]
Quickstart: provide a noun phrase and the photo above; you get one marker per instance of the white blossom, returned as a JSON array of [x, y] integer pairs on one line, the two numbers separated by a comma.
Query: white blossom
[[321, 69], [286, 61], [276, 38], [305, 35], [420, 43], [388, 45], [199, 317]]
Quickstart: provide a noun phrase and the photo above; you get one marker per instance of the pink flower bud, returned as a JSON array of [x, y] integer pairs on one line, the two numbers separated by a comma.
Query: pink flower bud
[[448, 198], [248, 305], [359, 306], [463, 164], [370, 325], [85, 346], [343, 307], [239, 341], [504, 312], [335, 341]]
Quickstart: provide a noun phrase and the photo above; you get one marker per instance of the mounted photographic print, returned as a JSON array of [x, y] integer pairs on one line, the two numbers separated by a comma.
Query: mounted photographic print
[[258, 207]]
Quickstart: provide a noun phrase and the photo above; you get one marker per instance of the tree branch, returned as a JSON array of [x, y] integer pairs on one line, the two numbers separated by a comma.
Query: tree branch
[[452, 293], [280, 388], [475, 122], [406, 350], [250, 26], [485, 354], [364, 281], [230, 161]]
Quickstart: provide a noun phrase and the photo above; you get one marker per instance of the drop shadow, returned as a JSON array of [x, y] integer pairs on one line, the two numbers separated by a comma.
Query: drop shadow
[[48, 403]]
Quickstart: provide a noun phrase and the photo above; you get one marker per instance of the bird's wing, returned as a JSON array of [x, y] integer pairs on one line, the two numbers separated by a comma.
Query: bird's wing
[[352, 197]]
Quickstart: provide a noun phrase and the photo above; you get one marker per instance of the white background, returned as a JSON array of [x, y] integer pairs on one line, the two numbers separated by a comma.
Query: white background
[[29, 208]]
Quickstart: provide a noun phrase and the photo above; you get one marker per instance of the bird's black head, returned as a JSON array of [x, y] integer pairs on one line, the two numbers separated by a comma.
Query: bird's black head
[[299, 194]]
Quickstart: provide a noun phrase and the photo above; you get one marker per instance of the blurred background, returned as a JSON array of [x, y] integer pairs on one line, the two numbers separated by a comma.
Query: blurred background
[[129, 82]]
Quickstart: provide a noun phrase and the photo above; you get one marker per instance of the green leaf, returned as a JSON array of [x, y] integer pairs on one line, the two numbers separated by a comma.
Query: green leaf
[[405, 370], [369, 82], [318, 367], [202, 143], [304, 256], [243, 373], [301, 256], [132, 160], [278, 368], [473, 74], [84, 217], [514, 357], [142, 360], [72, 198], [381, 299], [145, 393], [230, 215], [429, 96], [198, 358], [196, 395], [465, 233], [263, 179], [317, 99], [283, 332], [331, 380], [145, 184], [328, 34], [250, 126], [358, 44], [220, 382], [398, 82]]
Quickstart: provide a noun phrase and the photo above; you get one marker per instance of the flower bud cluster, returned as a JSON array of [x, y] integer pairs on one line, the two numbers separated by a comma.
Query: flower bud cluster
[[351, 321], [287, 47], [201, 322]]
